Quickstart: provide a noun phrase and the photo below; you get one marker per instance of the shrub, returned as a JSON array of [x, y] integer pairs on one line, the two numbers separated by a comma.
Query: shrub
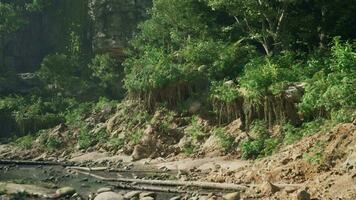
[[227, 142], [261, 145], [25, 142], [88, 139], [195, 130], [116, 143], [136, 136], [291, 133], [332, 88], [61, 73], [106, 72]]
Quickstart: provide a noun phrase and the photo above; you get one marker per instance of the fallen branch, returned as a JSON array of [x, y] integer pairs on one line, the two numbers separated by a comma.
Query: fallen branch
[[152, 189], [205, 185], [98, 169]]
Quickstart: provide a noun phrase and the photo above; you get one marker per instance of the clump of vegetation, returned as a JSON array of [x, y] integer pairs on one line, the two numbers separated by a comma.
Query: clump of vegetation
[[25, 142], [195, 130], [87, 139], [226, 141], [315, 154], [262, 144]]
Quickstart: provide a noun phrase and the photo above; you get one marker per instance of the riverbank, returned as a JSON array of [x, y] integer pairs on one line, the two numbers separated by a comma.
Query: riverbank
[[297, 169]]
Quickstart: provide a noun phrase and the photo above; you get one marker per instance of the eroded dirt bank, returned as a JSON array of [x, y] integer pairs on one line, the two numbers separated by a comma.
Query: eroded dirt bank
[[322, 166]]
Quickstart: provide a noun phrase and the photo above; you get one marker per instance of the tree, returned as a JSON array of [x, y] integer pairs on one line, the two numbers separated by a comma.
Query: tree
[[10, 21], [262, 21]]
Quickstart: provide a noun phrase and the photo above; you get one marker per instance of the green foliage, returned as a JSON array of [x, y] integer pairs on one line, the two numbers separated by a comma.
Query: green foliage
[[291, 133], [105, 70], [263, 76], [87, 139], [25, 142], [136, 136], [104, 103], [77, 112], [116, 143], [189, 149], [62, 73], [227, 142], [261, 145], [333, 88], [31, 113], [224, 91], [195, 130], [53, 143], [10, 18], [315, 154]]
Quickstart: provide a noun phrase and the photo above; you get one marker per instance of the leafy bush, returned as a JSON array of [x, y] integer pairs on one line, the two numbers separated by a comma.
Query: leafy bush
[[25, 142], [116, 143], [29, 114], [62, 73], [53, 143], [106, 72], [291, 133], [195, 130], [315, 154], [136, 136], [88, 139], [261, 145], [332, 88], [263, 76], [224, 91], [227, 142]]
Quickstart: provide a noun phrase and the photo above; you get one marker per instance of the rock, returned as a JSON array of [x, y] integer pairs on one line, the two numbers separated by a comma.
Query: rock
[[147, 145], [212, 146], [302, 195], [350, 162], [64, 191], [194, 107], [267, 188], [147, 198], [132, 194], [147, 194], [232, 196], [104, 189], [176, 198], [109, 196], [112, 123]]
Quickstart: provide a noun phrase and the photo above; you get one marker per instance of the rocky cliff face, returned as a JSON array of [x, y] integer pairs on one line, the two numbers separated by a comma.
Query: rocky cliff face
[[114, 22]]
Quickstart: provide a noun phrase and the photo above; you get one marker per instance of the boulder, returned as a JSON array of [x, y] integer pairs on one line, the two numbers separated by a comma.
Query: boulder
[[232, 196], [112, 123], [194, 107], [267, 188], [104, 189], [64, 191], [147, 194], [302, 195], [147, 198], [212, 146], [109, 196]]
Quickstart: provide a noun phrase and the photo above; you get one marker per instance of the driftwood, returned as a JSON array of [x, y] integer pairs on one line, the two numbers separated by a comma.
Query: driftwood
[[108, 169], [152, 188], [204, 185]]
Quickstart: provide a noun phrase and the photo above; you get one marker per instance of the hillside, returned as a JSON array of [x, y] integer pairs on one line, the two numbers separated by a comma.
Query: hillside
[[253, 94]]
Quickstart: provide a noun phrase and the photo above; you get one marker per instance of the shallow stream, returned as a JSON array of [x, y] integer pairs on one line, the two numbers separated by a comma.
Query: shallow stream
[[58, 176]]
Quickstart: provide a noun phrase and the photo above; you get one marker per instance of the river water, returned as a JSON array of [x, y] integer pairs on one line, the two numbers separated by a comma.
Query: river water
[[58, 176]]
